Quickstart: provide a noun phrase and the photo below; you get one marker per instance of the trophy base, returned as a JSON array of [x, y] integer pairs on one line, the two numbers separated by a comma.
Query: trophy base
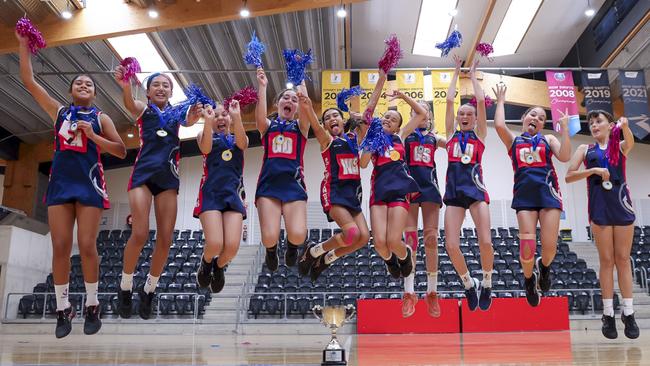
[[333, 357]]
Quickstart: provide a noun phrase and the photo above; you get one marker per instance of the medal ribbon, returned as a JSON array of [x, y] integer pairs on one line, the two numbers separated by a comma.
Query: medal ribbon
[[462, 141], [352, 144], [602, 157], [162, 116], [418, 131], [228, 140], [534, 140], [281, 125]]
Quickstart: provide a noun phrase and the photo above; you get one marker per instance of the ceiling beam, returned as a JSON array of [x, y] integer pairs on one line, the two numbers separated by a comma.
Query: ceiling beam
[[481, 29], [626, 40], [111, 18]]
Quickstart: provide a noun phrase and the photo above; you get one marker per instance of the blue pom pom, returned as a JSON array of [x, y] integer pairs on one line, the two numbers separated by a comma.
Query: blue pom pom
[[194, 95], [376, 140], [296, 62], [254, 51], [344, 95], [454, 40]]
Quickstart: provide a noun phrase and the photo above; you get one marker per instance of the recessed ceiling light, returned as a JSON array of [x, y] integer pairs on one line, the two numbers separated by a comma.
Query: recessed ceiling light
[[66, 14], [153, 13], [590, 12], [341, 13], [289, 85]]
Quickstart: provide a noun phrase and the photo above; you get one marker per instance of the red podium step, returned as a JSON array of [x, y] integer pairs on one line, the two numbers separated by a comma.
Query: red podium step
[[384, 316], [515, 315]]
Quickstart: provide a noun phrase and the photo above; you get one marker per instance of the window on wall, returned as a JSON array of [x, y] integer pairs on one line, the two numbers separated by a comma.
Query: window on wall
[[611, 19]]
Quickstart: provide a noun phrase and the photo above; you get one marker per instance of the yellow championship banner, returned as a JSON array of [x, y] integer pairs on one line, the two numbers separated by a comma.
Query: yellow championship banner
[[367, 80], [333, 82], [410, 83], [440, 82]]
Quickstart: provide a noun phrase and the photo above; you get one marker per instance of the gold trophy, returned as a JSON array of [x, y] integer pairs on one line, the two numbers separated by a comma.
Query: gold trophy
[[334, 317]]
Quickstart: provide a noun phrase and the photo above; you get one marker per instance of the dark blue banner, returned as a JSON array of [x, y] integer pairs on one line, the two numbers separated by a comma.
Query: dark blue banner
[[635, 101], [595, 87]]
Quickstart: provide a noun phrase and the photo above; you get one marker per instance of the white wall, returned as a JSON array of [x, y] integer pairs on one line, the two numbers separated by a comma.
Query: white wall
[[26, 259], [498, 177]]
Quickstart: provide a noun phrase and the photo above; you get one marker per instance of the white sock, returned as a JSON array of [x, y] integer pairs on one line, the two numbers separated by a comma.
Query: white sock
[[330, 257], [409, 285], [432, 282], [61, 292], [628, 309], [317, 250], [468, 282], [150, 285], [487, 279], [91, 294], [126, 284], [608, 307]]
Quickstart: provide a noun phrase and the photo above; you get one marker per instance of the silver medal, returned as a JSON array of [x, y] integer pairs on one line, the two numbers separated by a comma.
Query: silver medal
[[161, 133], [607, 185], [74, 126], [530, 159], [466, 159]]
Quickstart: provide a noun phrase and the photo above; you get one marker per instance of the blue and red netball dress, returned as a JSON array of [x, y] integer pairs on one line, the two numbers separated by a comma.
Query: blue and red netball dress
[[77, 174], [282, 176], [608, 206], [464, 184], [420, 148], [156, 165], [536, 184], [391, 181], [341, 182], [222, 184]]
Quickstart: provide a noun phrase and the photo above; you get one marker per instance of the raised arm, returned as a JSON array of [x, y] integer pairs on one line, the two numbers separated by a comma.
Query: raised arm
[[376, 94], [303, 124], [261, 109], [481, 114], [364, 160], [450, 121], [573, 174], [306, 113], [628, 137], [561, 148], [414, 122], [49, 104], [503, 131], [135, 107], [204, 137], [241, 140]]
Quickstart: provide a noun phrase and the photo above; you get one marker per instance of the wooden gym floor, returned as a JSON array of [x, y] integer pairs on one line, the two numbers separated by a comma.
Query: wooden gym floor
[[549, 348]]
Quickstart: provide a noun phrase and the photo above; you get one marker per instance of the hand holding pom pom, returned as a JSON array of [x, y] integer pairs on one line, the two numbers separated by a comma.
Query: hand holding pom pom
[[344, 95], [131, 67], [254, 51], [244, 97], [485, 50], [392, 54], [296, 62], [376, 140], [25, 29]]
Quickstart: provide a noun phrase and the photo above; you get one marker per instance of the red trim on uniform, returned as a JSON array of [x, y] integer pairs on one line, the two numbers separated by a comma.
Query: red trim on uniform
[[584, 161], [100, 166], [135, 164], [199, 201], [405, 204], [326, 184]]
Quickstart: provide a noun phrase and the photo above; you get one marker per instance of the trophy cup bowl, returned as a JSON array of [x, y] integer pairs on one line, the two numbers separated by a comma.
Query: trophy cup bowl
[[334, 317]]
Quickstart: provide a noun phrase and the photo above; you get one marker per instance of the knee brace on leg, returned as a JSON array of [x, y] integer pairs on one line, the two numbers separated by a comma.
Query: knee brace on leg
[[350, 234], [527, 246], [411, 238]]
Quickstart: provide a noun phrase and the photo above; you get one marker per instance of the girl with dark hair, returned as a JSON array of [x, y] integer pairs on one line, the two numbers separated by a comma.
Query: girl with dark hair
[[76, 191], [281, 190], [536, 192], [610, 211], [220, 205], [340, 190], [391, 183], [154, 178]]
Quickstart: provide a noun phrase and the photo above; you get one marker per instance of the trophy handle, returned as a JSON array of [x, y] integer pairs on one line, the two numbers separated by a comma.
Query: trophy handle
[[352, 311], [318, 312]]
